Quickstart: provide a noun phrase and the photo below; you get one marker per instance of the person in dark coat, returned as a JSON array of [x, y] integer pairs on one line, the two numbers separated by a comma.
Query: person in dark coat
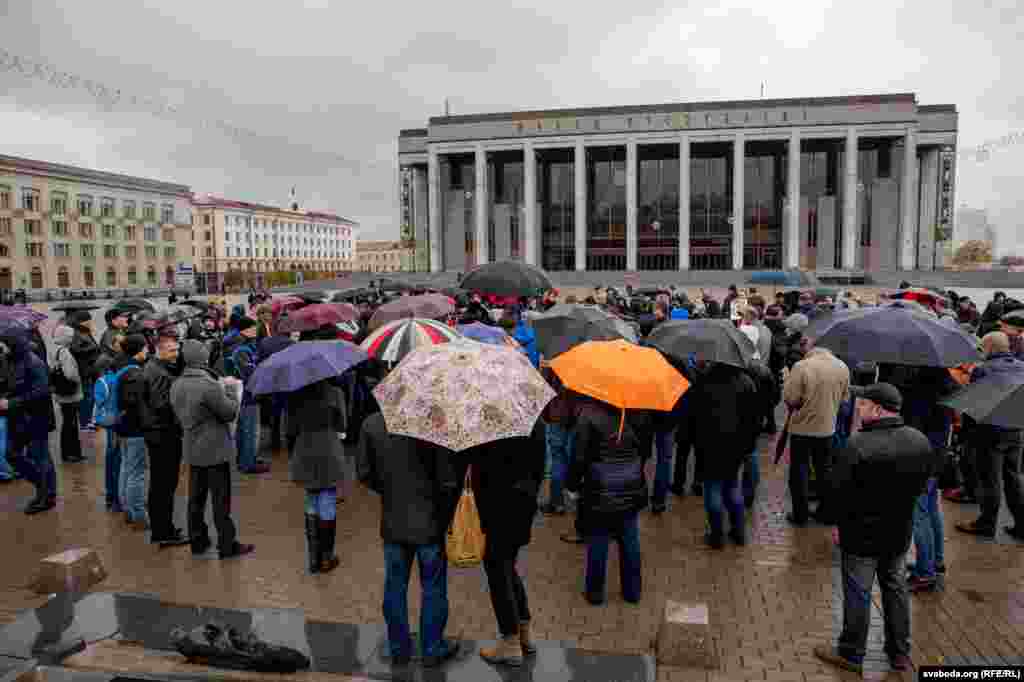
[[419, 486], [608, 474], [316, 419], [507, 476], [25, 401], [130, 429], [85, 351], [722, 409]]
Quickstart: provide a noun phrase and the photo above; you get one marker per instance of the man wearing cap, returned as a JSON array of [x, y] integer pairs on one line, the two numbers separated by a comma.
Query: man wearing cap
[[247, 433], [874, 486], [131, 398]]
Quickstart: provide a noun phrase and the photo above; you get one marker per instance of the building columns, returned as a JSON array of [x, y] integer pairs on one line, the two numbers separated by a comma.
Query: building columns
[[434, 220], [684, 201], [420, 218], [580, 205], [480, 212], [909, 199], [928, 215], [631, 237], [737, 201], [850, 241], [791, 230], [529, 204]]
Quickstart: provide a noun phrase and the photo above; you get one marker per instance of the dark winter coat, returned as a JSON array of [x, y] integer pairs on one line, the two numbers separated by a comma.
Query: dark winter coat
[[86, 352], [419, 484], [26, 382], [131, 398], [876, 480], [507, 476], [159, 421], [316, 418]]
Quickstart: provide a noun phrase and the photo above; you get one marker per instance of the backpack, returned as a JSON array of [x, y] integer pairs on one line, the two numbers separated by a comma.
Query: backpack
[[106, 408], [62, 386]]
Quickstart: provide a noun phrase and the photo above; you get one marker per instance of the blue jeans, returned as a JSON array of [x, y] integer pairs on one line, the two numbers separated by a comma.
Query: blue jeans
[[627, 534], [6, 471], [433, 569], [35, 464], [560, 447], [85, 407], [751, 475], [322, 503], [664, 443], [112, 469], [247, 436], [859, 575], [720, 493], [928, 536], [133, 477]]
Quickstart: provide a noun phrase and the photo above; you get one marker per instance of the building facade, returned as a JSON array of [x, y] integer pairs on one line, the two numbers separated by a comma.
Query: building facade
[[831, 183], [255, 238], [385, 256], [68, 227]]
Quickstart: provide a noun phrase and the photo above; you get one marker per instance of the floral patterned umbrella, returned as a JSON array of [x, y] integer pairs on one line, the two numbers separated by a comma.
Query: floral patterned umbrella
[[396, 339], [462, 394]]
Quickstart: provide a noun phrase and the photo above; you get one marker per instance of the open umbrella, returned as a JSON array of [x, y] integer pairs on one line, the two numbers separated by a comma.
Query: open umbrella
[[280, 306], [133, 306], [429, 306], [392, 342], [779, 278], [484, 333], [507, 278], [996, 399], [707, 340], [317, 315], [621, 374], [458, 395], [892, 335], [567, 326], [394, 285], [923, 296], [71, 307], [349, 295], [304, 363], [22, 315]]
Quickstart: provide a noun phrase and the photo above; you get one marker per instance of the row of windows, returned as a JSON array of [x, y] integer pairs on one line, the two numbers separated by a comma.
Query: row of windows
[[285, 239], [88, 251], [31, 200], [59, 228], [239, 252], [89, 277], [257, 223]]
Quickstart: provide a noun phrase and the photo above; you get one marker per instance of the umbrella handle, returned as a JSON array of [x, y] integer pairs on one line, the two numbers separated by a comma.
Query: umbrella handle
[[622, 423]]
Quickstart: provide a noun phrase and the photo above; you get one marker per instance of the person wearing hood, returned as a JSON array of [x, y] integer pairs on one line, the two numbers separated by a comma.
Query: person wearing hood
[[70, 439], [131, 389], [27, 404], [205, 408], [86, 351], [245, 357], [524, 335]]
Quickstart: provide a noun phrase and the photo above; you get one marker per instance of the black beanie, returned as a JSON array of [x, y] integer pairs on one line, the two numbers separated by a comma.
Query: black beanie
[[133, 344]]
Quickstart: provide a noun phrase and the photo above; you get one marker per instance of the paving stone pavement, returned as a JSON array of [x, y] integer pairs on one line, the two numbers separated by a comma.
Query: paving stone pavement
[[770, 602]]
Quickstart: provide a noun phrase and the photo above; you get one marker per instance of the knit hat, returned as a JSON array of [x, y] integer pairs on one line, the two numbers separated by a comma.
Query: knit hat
[[133, 344]]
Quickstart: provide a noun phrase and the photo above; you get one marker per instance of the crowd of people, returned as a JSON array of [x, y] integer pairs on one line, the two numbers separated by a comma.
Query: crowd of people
[[862, 443]]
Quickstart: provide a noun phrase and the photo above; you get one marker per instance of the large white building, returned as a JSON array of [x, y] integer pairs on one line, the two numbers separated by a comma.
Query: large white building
[[824, 183]]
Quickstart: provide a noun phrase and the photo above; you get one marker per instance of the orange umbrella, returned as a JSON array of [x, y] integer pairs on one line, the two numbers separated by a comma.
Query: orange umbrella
[[622, 374]]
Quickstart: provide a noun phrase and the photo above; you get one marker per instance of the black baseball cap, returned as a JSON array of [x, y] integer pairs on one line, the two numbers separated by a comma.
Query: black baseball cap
[[886, 395]]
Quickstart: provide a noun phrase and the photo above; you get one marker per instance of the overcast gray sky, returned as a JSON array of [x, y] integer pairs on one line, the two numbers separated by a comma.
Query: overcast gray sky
[[329, 84]]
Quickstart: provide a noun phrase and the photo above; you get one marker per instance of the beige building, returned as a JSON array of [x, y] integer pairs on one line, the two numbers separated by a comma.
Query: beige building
[[385, 256], [68, 227], [255, 238]]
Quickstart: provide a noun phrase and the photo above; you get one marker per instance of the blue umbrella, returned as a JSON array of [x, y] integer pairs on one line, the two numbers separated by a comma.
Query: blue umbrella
[[483, 333], [780, 278], [304, 363]]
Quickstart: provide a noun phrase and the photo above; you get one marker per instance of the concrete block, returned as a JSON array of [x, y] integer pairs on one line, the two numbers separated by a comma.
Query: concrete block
[[76, 570], [684, 637]]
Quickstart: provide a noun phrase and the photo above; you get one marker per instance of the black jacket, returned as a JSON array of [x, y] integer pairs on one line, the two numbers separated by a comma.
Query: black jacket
[[131, 397], [607, 470], [86, 352], [722, 411], [875, 481], [159, 421], [419, 484], [780, 345]]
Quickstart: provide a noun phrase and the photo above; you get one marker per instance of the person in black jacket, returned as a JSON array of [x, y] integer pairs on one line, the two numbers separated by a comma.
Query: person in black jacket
[[163, 435], [875, 483], [608, 473], [86, 351], [131, 388], [419, 486]]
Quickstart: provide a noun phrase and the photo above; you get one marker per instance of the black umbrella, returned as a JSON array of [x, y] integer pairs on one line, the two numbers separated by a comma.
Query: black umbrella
[[134, 305], [566, 326], [353, 295], [394, 285], [1015, 318], [892, 335], [311, 297], [460, 295], [202, 305], [71, 307], [707, 340], [507, 278], [995, 399]]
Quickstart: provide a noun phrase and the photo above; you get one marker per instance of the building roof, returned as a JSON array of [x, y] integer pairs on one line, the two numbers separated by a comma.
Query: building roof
[[853, 100], [413, 132], [210, 201], [92, 175]]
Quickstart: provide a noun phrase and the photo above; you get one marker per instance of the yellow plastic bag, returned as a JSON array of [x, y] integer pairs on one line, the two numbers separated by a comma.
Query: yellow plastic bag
[[466, 540]]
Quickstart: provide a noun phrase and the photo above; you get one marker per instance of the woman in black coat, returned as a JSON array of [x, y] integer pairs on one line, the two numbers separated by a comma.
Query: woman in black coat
[[507, 475]]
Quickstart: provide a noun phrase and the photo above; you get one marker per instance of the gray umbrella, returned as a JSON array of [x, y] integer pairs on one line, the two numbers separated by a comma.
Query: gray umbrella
[[707, 340], [995, 399], [567, 326]]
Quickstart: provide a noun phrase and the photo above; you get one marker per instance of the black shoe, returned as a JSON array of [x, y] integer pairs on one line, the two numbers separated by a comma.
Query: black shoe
[[176, 539], [594, 599], [1015, 532], [73, 460], [658, 508], [327, 532], [201, 547], [697, 490], [749, 502], [738, 537], [714, 541], [553, 509], [795, 521], [573, 539], [678, 490], [238, 550], [434, 661], [974, 529], [313, 543], [940, 569]]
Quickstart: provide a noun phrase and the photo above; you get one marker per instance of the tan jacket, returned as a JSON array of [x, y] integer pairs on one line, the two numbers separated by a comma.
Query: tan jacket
[[813, 391]]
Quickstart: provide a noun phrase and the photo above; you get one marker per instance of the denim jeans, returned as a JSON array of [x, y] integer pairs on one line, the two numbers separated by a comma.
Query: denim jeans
[[719, 493], [322, 503], [627, 534], [433, 569], [751, 475], [35, 464], [85, 407], [664, 444], [560, 444], [247, 436], [133, 477], [858, 578], [6, 470], [929, 542], [112, 469]]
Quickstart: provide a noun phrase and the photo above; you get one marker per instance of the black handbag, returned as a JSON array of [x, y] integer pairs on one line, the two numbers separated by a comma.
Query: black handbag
[[62, 386], [949, 464]]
